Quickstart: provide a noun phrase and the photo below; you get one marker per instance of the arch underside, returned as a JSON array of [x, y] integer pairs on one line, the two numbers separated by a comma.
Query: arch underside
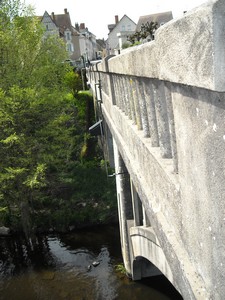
[[148, 257]]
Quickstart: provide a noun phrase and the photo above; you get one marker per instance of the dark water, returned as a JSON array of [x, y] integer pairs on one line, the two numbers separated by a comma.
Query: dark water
[[58, 268]]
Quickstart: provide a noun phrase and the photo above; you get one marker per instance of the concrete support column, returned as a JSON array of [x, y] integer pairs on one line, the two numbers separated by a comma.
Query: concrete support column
[[135, 204], [146, 221], [121, 173]]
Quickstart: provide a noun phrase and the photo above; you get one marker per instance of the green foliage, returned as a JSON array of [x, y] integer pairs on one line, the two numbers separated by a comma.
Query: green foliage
[[3, 215], [49, 162], [28, 59], [73, 81], [126, 45], [146, 32], [120, 269]]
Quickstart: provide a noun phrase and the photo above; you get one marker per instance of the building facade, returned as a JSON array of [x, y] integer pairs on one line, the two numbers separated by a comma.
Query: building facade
[[118, 34], [79, 42]]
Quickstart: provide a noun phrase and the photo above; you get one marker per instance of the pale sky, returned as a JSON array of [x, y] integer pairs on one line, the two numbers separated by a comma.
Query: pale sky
[[98, 14]]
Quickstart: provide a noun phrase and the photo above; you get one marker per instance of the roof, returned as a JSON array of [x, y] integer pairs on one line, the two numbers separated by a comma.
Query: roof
[[62, 21], [160, 18], [116, 25], [101, 43]]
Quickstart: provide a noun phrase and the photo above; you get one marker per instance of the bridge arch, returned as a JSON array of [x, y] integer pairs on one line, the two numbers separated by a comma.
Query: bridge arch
[[148, 257], [142, 267]]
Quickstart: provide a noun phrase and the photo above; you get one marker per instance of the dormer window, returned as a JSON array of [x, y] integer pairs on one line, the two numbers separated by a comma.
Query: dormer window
[[68, 35]]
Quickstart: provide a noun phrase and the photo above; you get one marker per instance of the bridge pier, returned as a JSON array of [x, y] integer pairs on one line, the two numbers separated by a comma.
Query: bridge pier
[[124, 206], [132, 216], [136, 203]]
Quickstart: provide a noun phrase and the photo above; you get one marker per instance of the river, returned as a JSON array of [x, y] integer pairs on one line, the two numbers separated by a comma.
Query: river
[[60, 267]]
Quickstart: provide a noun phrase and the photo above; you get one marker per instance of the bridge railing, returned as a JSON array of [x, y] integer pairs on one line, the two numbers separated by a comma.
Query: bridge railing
[[173, 91], [147, 103]]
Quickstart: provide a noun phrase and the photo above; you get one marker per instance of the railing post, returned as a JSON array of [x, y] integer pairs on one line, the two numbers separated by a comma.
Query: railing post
[[143, 108], [162, 119], [128, 98], [171, 126], [110, 79], [131, 97], [151, 112], [136, 104]]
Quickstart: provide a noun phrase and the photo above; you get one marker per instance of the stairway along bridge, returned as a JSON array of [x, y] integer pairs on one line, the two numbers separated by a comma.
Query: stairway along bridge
[[161, 109]]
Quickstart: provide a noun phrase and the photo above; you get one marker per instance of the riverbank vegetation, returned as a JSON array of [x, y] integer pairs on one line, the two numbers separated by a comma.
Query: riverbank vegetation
[[52, 173]]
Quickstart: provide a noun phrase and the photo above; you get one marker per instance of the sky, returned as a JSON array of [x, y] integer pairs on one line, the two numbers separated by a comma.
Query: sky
[[98, 14]]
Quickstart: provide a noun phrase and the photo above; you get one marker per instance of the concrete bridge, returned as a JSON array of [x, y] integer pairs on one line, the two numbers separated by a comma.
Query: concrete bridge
[[160, 108]]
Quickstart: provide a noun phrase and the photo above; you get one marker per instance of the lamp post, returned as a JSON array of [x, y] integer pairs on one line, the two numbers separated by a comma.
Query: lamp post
[[81, 71], [82, 61]]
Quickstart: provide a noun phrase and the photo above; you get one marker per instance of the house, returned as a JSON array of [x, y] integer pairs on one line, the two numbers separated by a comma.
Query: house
[[61, 25], [88, 45], [80, 43], [118, 33], [101, 48]]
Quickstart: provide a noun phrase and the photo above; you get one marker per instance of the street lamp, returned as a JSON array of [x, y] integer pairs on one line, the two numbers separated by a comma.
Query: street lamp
[[82, 61]]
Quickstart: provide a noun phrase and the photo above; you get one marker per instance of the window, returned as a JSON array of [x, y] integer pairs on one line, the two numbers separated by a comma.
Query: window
[[69, 47], [123, 28], [68, 36], [129, 27]]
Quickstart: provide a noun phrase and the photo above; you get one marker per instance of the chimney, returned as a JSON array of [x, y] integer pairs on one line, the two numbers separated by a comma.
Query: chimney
[[82, 25], [53, 16], [65, 11], [116, 19]]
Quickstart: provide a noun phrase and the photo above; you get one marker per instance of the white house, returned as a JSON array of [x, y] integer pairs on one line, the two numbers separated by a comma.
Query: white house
[[88, 45], [118, 33]]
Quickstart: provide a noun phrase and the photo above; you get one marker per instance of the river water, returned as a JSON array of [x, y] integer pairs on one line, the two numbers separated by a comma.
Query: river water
[[60, 267]]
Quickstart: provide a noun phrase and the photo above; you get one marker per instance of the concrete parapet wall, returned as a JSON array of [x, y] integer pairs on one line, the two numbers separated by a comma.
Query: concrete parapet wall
[[189, 50]]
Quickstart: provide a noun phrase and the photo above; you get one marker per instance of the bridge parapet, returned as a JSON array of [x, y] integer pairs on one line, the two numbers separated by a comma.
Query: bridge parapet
[[164, 105]]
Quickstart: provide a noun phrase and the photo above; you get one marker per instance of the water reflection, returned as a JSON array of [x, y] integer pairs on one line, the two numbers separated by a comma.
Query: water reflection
[[61, 267]]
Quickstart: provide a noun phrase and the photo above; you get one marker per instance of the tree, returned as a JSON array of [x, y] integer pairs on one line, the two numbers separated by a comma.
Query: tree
[[74, 82], [28, 59], [44, 122], [146, 33], [35, 110]]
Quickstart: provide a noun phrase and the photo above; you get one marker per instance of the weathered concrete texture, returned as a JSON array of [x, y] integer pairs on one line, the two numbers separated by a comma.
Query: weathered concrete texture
[[201, 148], [159, 190], [145, 244], [183, 78], [189, 50]]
